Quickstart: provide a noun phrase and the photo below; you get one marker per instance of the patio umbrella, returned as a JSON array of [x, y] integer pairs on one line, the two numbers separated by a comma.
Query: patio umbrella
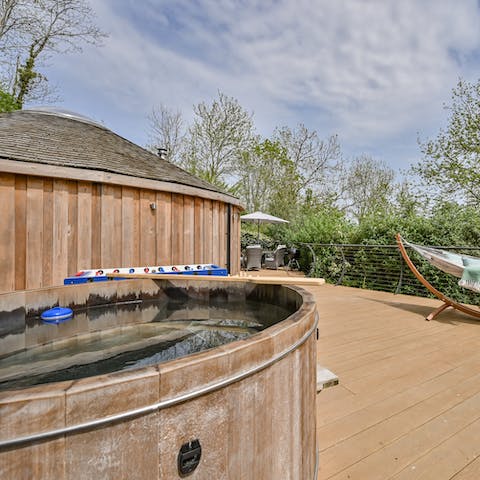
[[260, 217]]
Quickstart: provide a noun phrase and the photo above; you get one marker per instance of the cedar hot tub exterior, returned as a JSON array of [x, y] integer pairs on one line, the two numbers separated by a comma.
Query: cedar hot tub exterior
[[250, 403], [75, 196]]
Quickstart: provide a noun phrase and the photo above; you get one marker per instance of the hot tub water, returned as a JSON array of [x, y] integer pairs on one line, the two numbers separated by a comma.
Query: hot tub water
[[135, 345]]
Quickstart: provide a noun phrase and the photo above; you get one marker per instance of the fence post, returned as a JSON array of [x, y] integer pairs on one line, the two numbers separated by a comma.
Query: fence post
[[400, 279], [344, 267]]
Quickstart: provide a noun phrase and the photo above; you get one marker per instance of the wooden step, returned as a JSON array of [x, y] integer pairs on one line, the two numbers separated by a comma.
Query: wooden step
[[273, 280], [325, 378]]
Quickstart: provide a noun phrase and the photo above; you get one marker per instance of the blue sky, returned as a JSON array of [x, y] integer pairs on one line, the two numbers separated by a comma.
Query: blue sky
[[375, 72]]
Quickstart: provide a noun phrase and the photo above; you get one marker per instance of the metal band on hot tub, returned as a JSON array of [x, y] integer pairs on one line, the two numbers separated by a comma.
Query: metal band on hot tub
[[160, 405]]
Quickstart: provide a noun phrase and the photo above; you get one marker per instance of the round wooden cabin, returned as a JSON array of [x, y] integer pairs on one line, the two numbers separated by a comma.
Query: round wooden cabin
[[74, 195]]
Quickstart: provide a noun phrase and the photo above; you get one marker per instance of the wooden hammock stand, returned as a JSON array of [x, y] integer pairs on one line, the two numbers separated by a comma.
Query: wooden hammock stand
[[447, 302]]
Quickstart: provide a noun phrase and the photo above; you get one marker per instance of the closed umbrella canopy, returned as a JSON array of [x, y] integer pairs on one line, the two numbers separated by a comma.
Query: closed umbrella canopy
[[260, 217]]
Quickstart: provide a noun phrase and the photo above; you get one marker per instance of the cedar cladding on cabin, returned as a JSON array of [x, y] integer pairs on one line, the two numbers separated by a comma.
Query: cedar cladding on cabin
[[74, 195]]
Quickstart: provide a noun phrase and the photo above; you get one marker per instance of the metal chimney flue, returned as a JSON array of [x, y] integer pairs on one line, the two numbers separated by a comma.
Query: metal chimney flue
[[162, 153]]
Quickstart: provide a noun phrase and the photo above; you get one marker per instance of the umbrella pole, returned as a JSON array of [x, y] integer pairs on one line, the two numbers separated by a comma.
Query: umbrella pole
[[258, 231]]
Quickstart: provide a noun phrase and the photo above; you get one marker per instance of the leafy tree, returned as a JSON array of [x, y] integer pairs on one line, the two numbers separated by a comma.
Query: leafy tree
[[215, 142], [33, 30], [407, 201], [7, 102], [450, 163], [368, 186], [322, 223], [278, 174], [454, 224], [167, 131], [267, 179], [318, 223]]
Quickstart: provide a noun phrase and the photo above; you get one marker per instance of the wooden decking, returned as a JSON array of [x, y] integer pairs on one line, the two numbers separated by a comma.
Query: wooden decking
[[408, 403]]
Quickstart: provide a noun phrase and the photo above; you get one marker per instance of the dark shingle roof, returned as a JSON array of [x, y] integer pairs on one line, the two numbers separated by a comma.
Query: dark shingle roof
[[47, 138]]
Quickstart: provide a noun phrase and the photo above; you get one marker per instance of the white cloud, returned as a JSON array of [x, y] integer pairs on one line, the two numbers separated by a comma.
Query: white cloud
[[371, 70]]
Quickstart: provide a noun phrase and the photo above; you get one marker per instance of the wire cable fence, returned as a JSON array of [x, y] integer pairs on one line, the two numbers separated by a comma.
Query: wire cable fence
[[381, 267]]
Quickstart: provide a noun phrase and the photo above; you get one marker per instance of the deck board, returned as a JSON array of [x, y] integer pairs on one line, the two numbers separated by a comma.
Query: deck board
[[469, 472]]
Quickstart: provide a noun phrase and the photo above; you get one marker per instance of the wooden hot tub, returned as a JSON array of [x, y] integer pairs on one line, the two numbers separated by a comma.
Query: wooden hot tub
[[245, 409]]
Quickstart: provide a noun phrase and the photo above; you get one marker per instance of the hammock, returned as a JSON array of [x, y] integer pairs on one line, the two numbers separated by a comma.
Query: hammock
[[464, 267]]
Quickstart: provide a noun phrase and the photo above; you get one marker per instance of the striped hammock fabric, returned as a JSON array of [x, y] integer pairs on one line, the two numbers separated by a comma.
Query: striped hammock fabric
[[464, 267]]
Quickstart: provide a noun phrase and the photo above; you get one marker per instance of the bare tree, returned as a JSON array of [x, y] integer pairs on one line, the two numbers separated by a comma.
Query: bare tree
[[315, 159], [33, 30], [167, 131], [14, 19]]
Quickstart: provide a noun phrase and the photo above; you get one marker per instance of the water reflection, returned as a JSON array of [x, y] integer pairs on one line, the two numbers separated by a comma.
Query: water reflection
[[122, 337]]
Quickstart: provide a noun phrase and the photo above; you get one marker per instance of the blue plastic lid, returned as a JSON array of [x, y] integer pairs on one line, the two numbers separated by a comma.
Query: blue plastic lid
[[56, 314]]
